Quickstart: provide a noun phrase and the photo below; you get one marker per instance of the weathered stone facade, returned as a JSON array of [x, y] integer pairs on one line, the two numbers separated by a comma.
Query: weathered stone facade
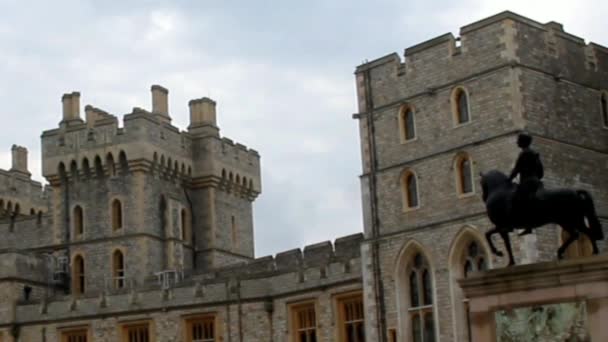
[[177, 205], [517, 74]]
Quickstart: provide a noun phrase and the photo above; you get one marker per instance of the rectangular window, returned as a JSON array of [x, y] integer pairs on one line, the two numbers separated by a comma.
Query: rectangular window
[[201, 329], [136, 333], [304, 322], [79, 335], [351, 318]]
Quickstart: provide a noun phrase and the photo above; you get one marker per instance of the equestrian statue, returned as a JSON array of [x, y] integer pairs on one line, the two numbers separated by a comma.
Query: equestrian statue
[[528, 205]]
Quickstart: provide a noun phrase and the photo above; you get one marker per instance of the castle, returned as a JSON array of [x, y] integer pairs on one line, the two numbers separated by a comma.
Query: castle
[[145, 232]]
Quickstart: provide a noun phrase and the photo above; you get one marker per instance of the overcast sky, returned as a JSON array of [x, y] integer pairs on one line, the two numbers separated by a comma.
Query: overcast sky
[[281, 72]]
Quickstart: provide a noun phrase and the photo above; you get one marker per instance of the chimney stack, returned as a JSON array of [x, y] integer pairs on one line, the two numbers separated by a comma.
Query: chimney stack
[[160, 102], [19, 160], [71, 106], [202, 112]]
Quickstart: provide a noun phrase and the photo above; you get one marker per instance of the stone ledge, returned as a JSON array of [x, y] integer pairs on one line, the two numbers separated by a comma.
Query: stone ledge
[[537, 276]]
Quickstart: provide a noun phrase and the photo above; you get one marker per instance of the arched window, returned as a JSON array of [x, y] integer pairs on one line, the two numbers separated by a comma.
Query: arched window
[[409, 186], [467, 255], [78, 280], [123, 163], [460, 106], [185, 225], [98, 167], [421, 300], [111, 165], [579, 248], [78, 220], [116, 214], [407, 124], [604, 106], [118, 269], [464, 174]]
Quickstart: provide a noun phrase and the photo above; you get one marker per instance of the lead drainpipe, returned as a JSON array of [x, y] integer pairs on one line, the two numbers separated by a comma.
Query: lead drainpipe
[[375, 221]]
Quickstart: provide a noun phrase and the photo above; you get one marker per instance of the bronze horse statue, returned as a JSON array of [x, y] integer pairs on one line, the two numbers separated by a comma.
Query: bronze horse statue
[[565, 207]]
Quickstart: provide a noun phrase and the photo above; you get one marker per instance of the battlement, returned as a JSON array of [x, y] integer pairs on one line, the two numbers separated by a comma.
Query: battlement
[[19, 194], [317, 256], [501, 41], [146, 141]]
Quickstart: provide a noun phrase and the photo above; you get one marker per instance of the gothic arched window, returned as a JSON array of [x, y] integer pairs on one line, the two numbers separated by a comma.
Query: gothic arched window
[[118, 269], [464, 174], [78, 280], [409, 186], [421, 300], [460, 106], [406, 121], [116, 214], [78, 221]]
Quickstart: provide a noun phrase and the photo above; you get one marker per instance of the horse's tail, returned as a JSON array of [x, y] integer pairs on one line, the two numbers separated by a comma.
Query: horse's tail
[[589, 211]]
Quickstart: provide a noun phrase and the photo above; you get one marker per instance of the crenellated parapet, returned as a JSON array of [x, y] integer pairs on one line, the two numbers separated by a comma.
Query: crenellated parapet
[[20, 196], [505, 40], [148, 142]]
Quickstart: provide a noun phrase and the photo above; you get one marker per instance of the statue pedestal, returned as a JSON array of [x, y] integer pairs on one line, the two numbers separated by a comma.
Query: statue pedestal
[[549, 301]]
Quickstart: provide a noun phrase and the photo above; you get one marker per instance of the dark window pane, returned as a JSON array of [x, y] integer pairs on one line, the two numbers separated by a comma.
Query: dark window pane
[[416, 329], [412, 191], [414, 295], [473, 249], [429, 328], [408, 120], [418, 260], [482, 265], [465, 176], [463, 107], [428, 290]]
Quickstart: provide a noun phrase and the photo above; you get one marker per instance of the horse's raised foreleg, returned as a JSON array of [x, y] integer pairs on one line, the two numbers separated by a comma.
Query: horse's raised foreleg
[[489, 234], [505, 237], [573, 236]]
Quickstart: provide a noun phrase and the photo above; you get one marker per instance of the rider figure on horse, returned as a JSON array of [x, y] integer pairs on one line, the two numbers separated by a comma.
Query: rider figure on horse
[[530, 171]]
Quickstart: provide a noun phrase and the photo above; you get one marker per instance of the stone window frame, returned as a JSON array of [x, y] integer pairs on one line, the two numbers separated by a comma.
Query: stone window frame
[[339, 300], [75, 233], [188, 320], [113, 222], [73, 331], [406, 191], [125, 327], [404, 109], [76, 275], [292, 323], [454, 105], [402, 288], [459, 174], [457, 257], [604, 108]]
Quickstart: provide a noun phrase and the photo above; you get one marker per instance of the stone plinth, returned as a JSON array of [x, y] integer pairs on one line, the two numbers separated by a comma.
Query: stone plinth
[[578, 280]]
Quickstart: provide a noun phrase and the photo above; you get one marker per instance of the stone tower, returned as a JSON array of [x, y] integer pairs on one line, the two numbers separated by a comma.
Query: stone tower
[[431, 122], [146, 197]]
